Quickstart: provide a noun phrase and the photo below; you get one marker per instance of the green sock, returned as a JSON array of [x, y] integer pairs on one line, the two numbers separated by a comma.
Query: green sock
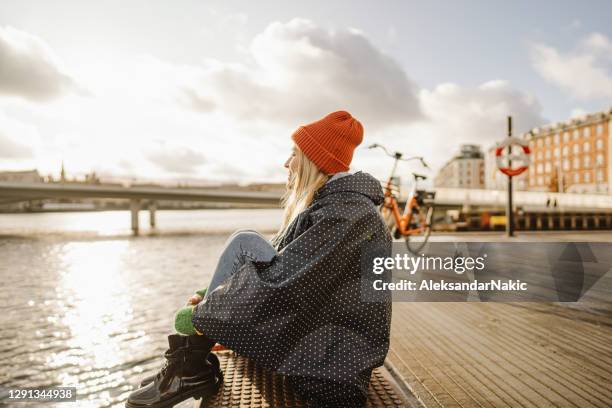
[[182, 321]]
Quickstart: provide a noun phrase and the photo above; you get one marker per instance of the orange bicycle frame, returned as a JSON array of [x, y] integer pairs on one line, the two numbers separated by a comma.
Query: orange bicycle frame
[[401, 220]]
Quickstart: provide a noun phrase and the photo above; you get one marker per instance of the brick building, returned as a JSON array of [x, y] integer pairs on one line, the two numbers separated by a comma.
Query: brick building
[[572, 156]]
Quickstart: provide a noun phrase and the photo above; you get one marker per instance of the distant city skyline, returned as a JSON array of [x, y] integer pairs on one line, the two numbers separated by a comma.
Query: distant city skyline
[[213, 90]]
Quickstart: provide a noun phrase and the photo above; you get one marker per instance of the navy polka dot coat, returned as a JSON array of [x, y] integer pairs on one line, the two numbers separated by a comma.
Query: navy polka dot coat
[[302, 314]]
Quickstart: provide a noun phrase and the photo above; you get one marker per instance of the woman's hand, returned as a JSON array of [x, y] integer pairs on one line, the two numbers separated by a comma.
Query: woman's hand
[[195, 299]]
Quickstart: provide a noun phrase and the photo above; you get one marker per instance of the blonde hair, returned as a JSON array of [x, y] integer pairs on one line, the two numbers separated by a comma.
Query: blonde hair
[[301, 188]]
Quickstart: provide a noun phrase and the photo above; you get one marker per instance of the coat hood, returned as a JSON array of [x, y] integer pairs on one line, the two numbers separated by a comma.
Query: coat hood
[[359, 182]]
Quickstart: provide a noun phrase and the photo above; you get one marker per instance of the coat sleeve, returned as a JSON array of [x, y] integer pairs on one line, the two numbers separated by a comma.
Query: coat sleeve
[[270, 307]]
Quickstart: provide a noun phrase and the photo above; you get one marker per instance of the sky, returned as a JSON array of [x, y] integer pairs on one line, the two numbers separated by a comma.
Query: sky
[[212, 90]]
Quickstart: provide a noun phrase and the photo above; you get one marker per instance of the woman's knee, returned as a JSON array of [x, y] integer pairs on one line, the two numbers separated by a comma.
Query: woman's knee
[[242, 231], [243, 235], [252, 242]]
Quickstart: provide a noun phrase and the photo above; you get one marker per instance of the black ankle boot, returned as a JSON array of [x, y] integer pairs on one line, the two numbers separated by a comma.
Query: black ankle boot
[[186, 374], [213, 360]]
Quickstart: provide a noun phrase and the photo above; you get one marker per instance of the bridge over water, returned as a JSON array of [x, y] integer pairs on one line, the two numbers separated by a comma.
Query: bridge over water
[[445, 197]]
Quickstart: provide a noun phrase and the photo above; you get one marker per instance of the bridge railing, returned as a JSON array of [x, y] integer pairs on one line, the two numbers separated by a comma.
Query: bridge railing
[[480, 197]]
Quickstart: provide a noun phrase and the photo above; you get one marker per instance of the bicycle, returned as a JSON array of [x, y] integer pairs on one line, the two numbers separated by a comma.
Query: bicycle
[[417, 216]]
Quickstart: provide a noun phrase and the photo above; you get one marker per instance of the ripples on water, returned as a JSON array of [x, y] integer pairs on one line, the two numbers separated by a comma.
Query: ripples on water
[[94, 312]]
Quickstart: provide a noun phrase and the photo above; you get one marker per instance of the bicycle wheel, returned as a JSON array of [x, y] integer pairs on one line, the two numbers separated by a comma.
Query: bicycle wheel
[[421, 219]]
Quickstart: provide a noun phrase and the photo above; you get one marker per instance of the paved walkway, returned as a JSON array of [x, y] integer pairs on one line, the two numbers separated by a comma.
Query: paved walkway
[[503, 354]]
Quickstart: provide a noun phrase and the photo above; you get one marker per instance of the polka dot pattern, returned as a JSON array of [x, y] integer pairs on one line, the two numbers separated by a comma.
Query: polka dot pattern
[[301, 314]]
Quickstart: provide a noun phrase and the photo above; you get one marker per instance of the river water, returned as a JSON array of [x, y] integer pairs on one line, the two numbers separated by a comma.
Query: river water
[[85, 304]]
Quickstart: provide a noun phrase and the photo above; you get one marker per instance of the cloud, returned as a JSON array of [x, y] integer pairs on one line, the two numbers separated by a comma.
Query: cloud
[[181, 160], [577, 113], [190, 98], [478, 115], [460, 115], [10, 149], [29, 68], [16, 139], [300, 71], [227, 170], [138, 123], [584, 72]]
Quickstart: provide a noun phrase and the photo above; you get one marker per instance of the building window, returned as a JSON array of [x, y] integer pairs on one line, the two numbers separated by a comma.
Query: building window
[[599, 129], [556, 138], [540, 180], [547, 154], [539, 155], [556, 152], [599, 144], [566, 164], [586, 132], [587, 177], [565, 150], [547, 141], [576, 148], [547, 167], [576, 162], [576, 134], [566, 136], [600, 175], [576, 178], [587, 161], [539, 168], [586, 147], [599, 161]]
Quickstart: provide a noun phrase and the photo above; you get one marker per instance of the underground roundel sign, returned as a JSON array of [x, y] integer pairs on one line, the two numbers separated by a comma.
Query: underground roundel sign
[[520, 160]]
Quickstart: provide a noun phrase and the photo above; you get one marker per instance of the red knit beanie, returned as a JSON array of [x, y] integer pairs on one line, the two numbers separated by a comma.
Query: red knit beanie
[[329, 142]]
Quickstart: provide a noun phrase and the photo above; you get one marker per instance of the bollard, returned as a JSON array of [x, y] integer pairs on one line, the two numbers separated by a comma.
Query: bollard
[[561, 221], [134, 207], [152, 209], [551, 222], [527, 221]]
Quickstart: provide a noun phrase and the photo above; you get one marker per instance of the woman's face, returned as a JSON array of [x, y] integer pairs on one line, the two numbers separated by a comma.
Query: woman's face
[[291, 164]]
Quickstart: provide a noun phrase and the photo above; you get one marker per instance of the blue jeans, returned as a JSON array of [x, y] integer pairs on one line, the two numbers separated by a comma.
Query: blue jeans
[[242, 244]]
